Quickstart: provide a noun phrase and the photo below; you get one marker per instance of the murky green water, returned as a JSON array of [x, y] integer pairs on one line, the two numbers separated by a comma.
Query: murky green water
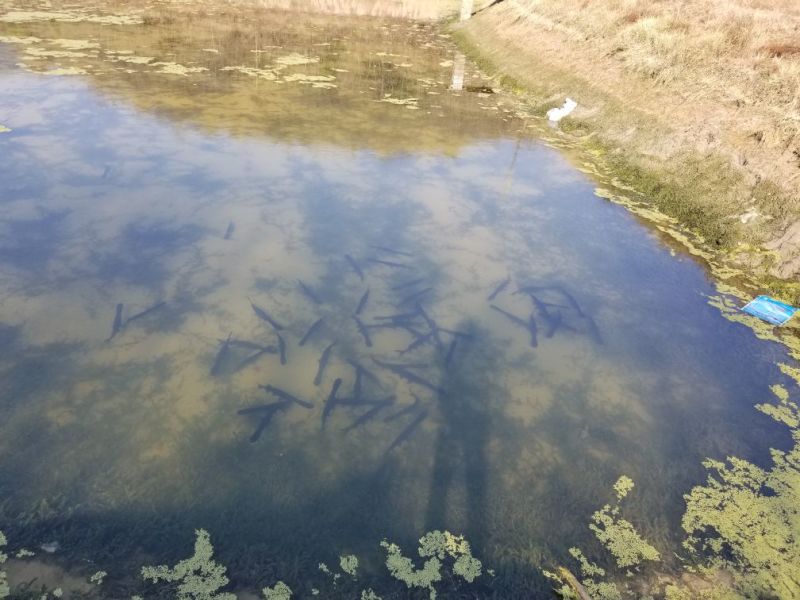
[[212, 162]]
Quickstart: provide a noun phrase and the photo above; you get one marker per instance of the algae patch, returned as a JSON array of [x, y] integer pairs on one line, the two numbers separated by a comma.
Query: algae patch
[[4, 129]]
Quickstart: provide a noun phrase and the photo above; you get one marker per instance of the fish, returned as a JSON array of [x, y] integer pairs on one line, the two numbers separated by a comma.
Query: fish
[[286, 396], [499, 288], [379, 406], [252, 410], [363, 330], [458, 334], [265, 420], [415, 296], [264, 316], [323, 362], [512, 318], [355, 266], [331, 401], [358, 367], [405, 410], [282, 348], [221, 354], [389, 263], [362, 303], [407, 284], [533, 330], [398, 317], [406, 433], [432, 326], [251, 359], [416, 343], [392, 251], [145, 312], [402, 371], [311, 331], [551, 320], [251, 345], [229, 231], [117, 325], [450, 352], [309, 292]]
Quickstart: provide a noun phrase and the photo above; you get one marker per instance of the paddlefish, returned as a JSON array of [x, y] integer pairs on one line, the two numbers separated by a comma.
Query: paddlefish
[[415, 296], [254, 357], [221, 354], [229, 231], [393, 251], [407, 284], [323, 362], [282, 348], [406, 433], [370, 414], [286, 396], [264, 316], [330, 402], [500, 287], [512, 318], [145, 312], [311, 331], [389, 263], [309, 292], [432, 326], [116, 326], [411, 377], [363, 330], [450, 352], [404, 411], [355, 266], [416, 343], [266, 419], [362, 303]]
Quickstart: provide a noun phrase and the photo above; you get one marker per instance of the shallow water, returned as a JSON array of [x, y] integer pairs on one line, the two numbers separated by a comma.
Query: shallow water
[[212, 162]]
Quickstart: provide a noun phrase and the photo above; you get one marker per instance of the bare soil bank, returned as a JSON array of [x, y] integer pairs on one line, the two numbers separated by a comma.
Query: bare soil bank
[[694, 104]]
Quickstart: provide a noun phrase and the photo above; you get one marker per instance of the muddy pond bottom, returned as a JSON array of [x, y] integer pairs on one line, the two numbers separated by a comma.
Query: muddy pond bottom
[[276, 278]]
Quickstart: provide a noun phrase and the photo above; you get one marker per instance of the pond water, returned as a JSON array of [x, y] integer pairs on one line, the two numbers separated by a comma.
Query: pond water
[[184, 194]]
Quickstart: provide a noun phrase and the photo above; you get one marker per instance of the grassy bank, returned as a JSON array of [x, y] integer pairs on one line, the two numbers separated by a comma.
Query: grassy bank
[[696, 105]]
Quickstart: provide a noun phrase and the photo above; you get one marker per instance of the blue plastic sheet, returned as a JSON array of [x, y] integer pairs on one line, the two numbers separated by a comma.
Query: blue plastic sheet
[[770, 310]]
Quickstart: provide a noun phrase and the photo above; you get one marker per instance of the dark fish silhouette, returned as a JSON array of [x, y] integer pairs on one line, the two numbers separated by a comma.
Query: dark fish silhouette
[[330, 402], [264, 316], [406, 433], [117, 325], [457, 334], [398, 318], [389, 263], [323, 362], [512, 318], [415, 296], [309, 292], [358, 385], [355, 266], [229, 231], [266, 419], [311, 331], [145, 312], [411, 377], [254, 357], [416, 343], [552, 320], [358, 367], [363, 330], [261, 408], [251, 345], [432, 326], [362, 303], [500, 287], [404, 411], [393, 251], [370, 414], [450, 352], [221, 354], [407, 284], [533, 330], [282, 348], [278, 393]]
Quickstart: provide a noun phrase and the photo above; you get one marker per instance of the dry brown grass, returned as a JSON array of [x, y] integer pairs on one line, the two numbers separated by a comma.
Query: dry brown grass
[[660, 80]]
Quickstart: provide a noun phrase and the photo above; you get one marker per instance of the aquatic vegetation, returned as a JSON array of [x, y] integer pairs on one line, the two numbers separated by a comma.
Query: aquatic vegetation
[[368, 594], [98, 577], [436, 546], [24, 553], [4, 590], [4, 129], [199, 577], [349, 564], [280, 591], [294, 59]]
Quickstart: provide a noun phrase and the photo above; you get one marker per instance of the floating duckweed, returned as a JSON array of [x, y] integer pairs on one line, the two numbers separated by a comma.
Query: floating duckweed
[[172, 68], [70, 44], [349, 564], [314, 592], [296, 59], [64, 71], [199, 577], [786, 411], [4, 129], [620, 538], [623, 486], [31, 16], [402, 568], [98, 578], [267, 74], [281, 591], [467, 567], [10, 39], [24, 553], [136, 60], [368, 594], [324, 568], [4, 589], [58, 592]]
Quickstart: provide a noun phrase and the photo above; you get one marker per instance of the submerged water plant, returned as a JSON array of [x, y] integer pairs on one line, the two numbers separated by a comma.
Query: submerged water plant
[[199, 577], [280, 591]]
